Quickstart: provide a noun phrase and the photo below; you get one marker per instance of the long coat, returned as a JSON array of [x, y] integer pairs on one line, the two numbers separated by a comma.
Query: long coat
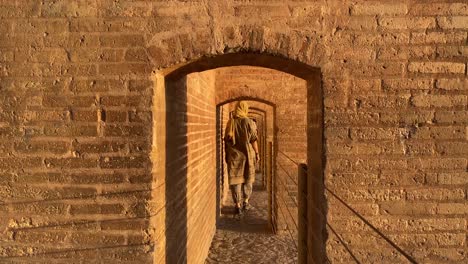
[[240, 158]]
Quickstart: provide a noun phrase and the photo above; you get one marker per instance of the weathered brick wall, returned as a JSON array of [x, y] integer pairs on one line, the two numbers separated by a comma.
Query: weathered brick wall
[[75, 138], [190, 216], [201, 176], [224, 184], [75, 79], [396, 130]]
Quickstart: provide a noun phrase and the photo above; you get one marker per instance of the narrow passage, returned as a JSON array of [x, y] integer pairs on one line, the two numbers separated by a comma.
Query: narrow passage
[[249, 239]]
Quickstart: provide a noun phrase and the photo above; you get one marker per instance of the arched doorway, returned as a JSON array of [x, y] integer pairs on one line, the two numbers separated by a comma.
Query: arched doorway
[[175, 143]]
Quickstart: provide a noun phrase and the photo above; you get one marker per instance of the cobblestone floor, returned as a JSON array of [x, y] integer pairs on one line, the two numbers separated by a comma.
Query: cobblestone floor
[[249, 239]]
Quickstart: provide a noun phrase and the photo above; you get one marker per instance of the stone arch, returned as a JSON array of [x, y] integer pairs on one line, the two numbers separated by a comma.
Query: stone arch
[[246, 98], [167, 51], [272, 53]]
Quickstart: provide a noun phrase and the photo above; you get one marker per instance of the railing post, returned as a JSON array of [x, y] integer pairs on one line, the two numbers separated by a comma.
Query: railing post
[[263, 161], [302, 213], [269, 175]]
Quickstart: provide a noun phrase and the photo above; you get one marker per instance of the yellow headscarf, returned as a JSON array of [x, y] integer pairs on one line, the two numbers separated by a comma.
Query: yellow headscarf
[[241, 111]]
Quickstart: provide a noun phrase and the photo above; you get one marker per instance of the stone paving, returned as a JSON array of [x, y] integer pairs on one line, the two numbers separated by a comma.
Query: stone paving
[[249, 239]]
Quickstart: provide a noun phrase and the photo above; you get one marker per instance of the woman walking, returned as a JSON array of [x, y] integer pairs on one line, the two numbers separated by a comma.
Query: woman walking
[[241, 155]]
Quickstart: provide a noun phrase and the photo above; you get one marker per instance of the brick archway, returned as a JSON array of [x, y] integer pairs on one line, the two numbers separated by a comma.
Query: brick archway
[[170, 52], [167, 80]]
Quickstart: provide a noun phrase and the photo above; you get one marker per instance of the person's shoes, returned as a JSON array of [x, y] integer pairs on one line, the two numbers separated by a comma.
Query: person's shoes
[[239, 211], [247, 207]]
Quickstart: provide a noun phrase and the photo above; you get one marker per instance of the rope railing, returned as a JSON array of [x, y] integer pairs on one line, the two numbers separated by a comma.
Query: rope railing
[[290, 234], [289, 158], [287, 173], [294, 201], [343, 243], [408, 257], [376, 230], [290, 214], [294, 240], [287, 209]]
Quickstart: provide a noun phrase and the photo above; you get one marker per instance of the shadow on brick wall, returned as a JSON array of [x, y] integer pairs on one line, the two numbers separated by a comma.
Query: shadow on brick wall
[[176, 171]]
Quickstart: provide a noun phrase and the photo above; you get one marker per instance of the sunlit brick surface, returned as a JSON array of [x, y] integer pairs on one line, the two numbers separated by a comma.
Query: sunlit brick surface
[[79, 175]]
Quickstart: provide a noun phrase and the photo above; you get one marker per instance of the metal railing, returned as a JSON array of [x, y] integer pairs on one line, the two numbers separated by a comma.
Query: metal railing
[[293, 239], [303, 168]]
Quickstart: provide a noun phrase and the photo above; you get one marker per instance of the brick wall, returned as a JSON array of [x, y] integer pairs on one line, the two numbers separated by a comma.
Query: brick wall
[[201, 178], [191, 173], [75, 141], [76, 103], [224, 181], [395, 126]]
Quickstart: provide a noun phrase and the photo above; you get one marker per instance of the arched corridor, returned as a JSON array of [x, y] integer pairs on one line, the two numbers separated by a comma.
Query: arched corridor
[[197, 99]]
